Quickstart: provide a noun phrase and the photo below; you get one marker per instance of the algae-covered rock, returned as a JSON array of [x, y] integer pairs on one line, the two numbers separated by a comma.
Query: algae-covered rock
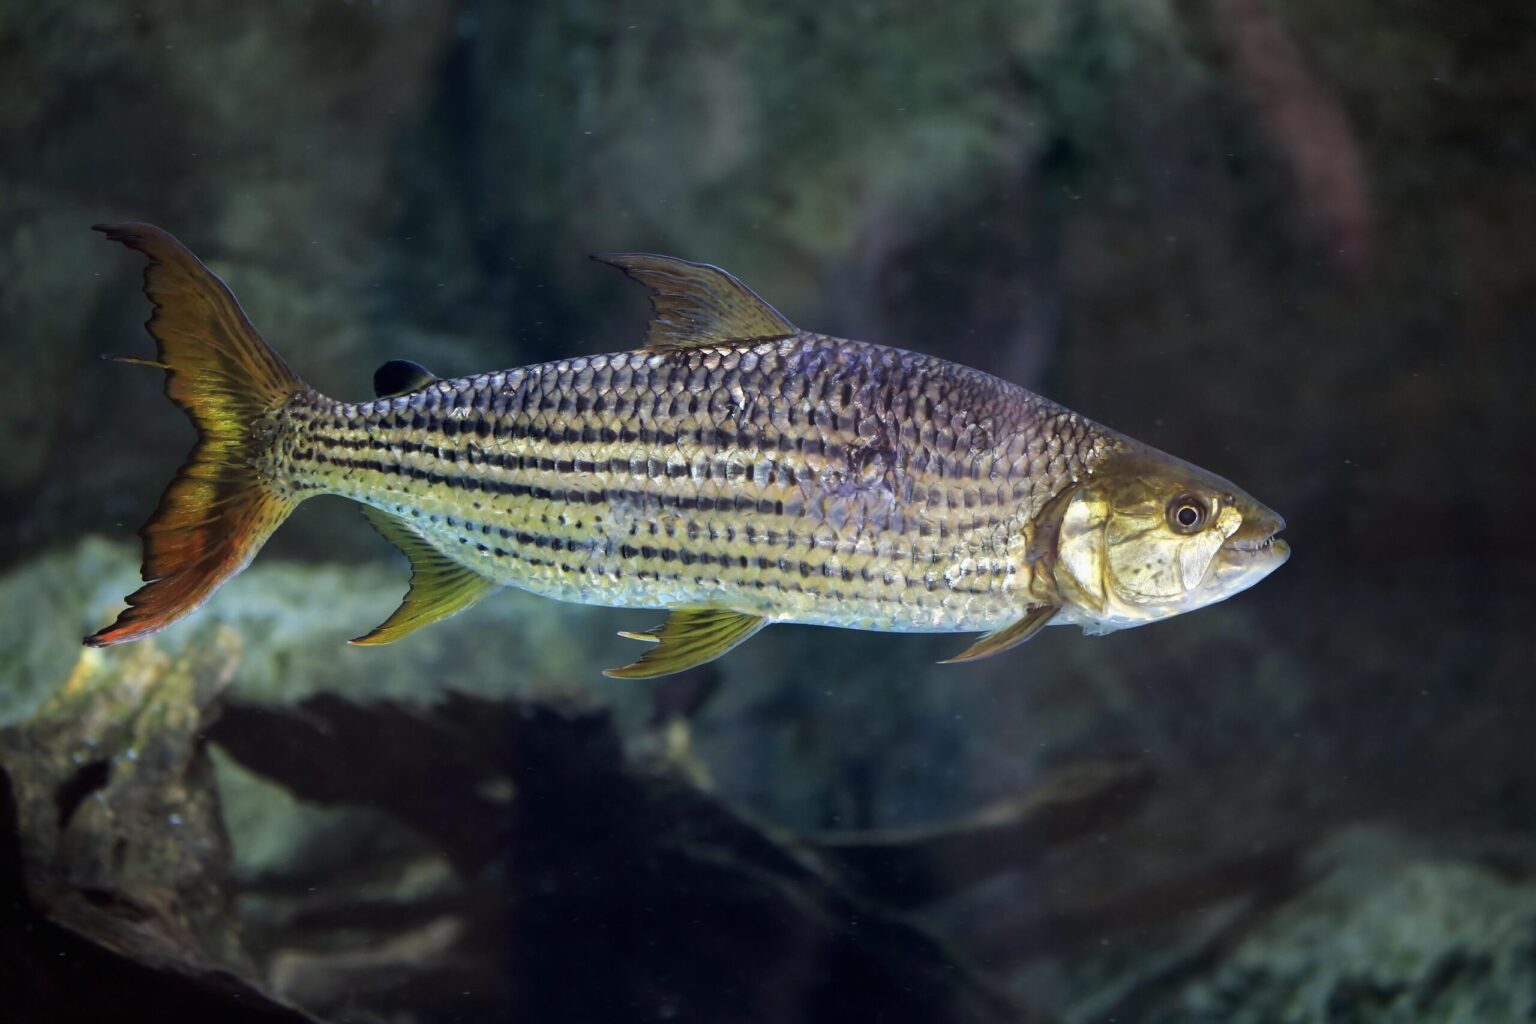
[[116, 896], [1371, 926], [1391, 935], [294, 620], [117, 808]]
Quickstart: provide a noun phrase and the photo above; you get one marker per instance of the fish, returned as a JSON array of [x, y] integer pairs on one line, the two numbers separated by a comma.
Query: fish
[[735, 472]]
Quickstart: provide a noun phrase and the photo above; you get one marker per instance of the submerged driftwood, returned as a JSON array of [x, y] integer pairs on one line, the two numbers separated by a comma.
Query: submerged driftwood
[[513, 858], [591, 887], [116, 900], [914, 867], [522, 863]]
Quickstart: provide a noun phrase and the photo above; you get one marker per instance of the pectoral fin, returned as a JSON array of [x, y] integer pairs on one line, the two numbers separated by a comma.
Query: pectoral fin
[[695, 304], [440, 587], [689, 637], [1000, 640]]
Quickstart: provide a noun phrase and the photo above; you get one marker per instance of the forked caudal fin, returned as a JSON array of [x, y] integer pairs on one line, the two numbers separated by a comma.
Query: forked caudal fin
[[217, 510]]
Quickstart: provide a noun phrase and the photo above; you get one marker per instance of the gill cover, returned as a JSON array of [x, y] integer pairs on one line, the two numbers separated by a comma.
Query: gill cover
[[1080, 549]]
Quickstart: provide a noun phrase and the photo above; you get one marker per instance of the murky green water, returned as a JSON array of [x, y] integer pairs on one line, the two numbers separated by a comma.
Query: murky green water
[[1289, 243]]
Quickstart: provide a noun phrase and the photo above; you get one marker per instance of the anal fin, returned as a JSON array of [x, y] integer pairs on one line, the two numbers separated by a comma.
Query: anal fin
[[440, 587], [1036, 618], [689, 637]]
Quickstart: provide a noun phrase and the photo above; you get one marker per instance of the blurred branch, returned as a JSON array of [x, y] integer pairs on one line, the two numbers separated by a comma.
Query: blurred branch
[[912, 867], [683, 906], [1266, 878], [1307, 125]]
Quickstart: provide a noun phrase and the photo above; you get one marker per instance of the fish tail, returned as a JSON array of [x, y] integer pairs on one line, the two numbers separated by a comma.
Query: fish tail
[[220, 507]]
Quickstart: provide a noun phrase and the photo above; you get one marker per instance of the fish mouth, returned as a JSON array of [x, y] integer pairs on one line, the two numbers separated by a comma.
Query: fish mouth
[[1253, 546], [1259, 537], [1266, 555]]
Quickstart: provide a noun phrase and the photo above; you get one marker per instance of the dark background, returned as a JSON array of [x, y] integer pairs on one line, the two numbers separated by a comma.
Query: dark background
[[1291, 243]]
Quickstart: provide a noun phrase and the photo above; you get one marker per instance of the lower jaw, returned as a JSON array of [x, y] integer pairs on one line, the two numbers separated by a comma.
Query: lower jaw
[[1238, 574]]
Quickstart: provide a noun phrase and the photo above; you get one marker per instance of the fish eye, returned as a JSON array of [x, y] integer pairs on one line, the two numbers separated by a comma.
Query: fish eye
[[1187, 513]]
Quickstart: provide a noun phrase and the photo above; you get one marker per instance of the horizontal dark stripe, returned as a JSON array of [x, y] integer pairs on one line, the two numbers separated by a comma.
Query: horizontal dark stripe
[[925, 529], [628, 551], [780, 473], [488, 425], [709, 438], [685, 502], [601, 496], [466, 531]]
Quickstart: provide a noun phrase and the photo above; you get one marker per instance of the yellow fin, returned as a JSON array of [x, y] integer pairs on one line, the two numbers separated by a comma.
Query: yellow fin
[[689, 637], [440, 587], [1011, 635], [695, 304], [218, 510]]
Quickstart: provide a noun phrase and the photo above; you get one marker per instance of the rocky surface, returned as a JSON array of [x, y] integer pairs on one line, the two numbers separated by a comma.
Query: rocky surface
[[294, 620], [1391, 932], [117, 897], [467, 850]]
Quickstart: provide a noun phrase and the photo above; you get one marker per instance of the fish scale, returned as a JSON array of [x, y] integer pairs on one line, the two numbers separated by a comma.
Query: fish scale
[[809, 479]]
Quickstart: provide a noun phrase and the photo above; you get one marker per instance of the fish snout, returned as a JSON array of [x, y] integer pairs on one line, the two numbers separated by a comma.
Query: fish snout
[[1258, 532]]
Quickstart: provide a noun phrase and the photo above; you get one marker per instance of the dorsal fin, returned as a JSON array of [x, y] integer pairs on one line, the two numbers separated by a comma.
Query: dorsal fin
[[400, 377], [694, 304], [440, 587]]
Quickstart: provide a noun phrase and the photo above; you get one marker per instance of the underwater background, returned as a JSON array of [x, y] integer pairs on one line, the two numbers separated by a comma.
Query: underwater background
[[1291, 243]]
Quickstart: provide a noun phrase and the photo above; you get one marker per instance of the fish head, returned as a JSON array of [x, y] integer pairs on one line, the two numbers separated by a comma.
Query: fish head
[[1149, 536]]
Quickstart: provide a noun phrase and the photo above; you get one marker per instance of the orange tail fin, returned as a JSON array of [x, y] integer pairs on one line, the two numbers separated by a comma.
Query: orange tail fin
[[218, 510]]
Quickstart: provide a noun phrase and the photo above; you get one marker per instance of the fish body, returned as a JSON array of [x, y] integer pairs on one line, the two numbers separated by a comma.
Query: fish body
[[737, 471], [805, 479]]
